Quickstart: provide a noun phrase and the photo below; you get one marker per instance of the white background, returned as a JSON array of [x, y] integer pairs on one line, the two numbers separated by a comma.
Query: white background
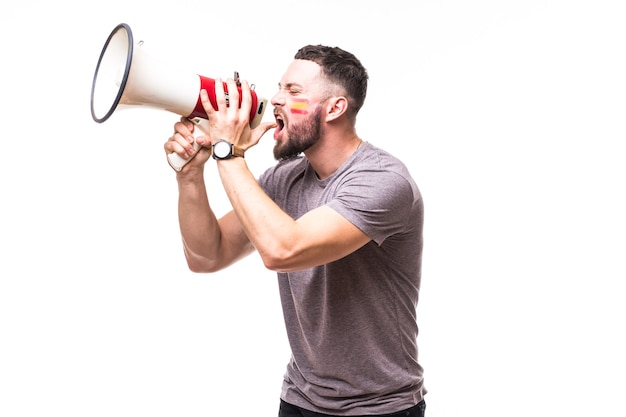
[[509, 114]]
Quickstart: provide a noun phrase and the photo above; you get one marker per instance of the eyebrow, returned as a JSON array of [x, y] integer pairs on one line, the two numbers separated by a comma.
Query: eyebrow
[[289, 85]]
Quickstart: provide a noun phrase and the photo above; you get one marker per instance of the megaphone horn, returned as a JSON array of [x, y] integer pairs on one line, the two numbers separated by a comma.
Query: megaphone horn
[[126, 76]]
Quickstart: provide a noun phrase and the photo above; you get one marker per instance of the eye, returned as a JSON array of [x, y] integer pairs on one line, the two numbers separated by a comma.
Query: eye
[[294, 91]]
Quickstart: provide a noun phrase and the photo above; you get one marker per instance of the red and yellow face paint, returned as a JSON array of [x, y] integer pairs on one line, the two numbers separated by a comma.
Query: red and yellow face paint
[[299, 106]]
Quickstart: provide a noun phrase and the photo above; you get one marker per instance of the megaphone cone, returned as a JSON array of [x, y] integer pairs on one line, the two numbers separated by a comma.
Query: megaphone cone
[[126, 76]]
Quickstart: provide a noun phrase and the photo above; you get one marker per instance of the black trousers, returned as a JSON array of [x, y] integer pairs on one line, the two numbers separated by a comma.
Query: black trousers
[[288, 410]]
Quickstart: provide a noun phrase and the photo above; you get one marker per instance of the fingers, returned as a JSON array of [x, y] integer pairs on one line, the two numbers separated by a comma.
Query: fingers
[[227, 95], [181, 142], [221, 100], [206, 103], [230, 92], [239, 92]]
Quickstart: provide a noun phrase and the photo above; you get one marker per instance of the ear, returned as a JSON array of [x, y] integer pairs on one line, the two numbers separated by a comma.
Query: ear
[[336, 107]]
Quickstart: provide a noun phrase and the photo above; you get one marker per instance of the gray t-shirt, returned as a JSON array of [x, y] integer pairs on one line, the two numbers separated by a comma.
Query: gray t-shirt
[[351, 324]]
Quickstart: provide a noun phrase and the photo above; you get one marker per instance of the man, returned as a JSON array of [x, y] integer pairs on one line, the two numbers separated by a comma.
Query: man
[[341, 225]]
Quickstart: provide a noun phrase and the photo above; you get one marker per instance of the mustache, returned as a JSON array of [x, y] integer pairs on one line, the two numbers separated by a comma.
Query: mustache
[[279, 113]]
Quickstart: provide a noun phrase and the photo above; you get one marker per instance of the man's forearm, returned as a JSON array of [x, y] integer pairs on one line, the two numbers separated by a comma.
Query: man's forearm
[[198, 225], [268, 227]]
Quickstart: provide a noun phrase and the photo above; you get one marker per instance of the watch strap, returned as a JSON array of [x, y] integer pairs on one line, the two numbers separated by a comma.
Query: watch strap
[[237, 151]]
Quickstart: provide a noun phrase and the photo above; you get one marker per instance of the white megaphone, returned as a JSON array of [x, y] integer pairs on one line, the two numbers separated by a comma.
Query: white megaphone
[[126, 76]]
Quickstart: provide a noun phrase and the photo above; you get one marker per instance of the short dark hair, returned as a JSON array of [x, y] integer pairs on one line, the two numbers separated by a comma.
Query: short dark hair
[[342, 68]]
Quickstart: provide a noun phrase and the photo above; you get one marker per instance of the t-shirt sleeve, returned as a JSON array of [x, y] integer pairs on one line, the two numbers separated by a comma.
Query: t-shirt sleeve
[[378, 203]]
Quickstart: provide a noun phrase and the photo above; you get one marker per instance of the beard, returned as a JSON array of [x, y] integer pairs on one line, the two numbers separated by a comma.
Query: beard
[[301, 137]]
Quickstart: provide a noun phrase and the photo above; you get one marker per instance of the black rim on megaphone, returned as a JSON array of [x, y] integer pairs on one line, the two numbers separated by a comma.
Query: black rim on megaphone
[[129, 57]]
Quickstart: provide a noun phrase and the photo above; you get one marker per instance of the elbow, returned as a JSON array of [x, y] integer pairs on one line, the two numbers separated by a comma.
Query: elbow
[[200, 265], [200, 268], [280, 260], [272, 264]]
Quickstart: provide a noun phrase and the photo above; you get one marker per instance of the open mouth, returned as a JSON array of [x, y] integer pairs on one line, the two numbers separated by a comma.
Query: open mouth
[[280, 123]]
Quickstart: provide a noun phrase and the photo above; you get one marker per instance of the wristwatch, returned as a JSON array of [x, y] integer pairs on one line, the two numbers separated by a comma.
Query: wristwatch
[[223, 149]]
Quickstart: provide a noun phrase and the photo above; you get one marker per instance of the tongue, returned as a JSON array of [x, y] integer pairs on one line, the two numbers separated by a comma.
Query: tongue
[[278, 130]]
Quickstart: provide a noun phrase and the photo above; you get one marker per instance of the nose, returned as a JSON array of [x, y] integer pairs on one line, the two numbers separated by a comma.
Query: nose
[[278, 99]]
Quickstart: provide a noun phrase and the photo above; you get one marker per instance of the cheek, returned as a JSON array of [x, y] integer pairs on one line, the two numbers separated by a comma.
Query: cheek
[[299, 106]]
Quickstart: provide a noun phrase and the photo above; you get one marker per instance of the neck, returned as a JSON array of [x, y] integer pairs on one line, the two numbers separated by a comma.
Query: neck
[[330, 153]]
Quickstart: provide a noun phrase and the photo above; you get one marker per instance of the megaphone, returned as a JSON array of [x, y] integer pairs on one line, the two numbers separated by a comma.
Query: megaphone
[[126, 77]]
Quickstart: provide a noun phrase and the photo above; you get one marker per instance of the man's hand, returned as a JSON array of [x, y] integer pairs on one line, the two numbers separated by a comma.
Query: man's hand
[[181, 143], [229, 121]]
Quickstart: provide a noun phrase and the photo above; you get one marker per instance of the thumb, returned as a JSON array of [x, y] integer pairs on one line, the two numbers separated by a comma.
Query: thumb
[[262, 129], [203, 140]]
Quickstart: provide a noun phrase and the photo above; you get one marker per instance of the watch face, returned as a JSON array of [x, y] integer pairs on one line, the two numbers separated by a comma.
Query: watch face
[[221, 149]]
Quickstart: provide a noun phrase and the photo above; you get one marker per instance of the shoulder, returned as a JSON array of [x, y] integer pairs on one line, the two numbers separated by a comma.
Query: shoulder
[[381, 170], [381, 159]]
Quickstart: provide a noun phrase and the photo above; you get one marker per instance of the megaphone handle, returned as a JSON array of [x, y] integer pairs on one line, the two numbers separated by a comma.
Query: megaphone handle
[[176, 161]]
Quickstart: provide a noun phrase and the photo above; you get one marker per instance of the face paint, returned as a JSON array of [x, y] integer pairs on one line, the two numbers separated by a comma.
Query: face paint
[[299, 106]]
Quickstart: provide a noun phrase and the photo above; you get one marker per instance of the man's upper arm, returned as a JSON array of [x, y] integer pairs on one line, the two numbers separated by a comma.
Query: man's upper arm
[[234, 243], [322, 236]]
